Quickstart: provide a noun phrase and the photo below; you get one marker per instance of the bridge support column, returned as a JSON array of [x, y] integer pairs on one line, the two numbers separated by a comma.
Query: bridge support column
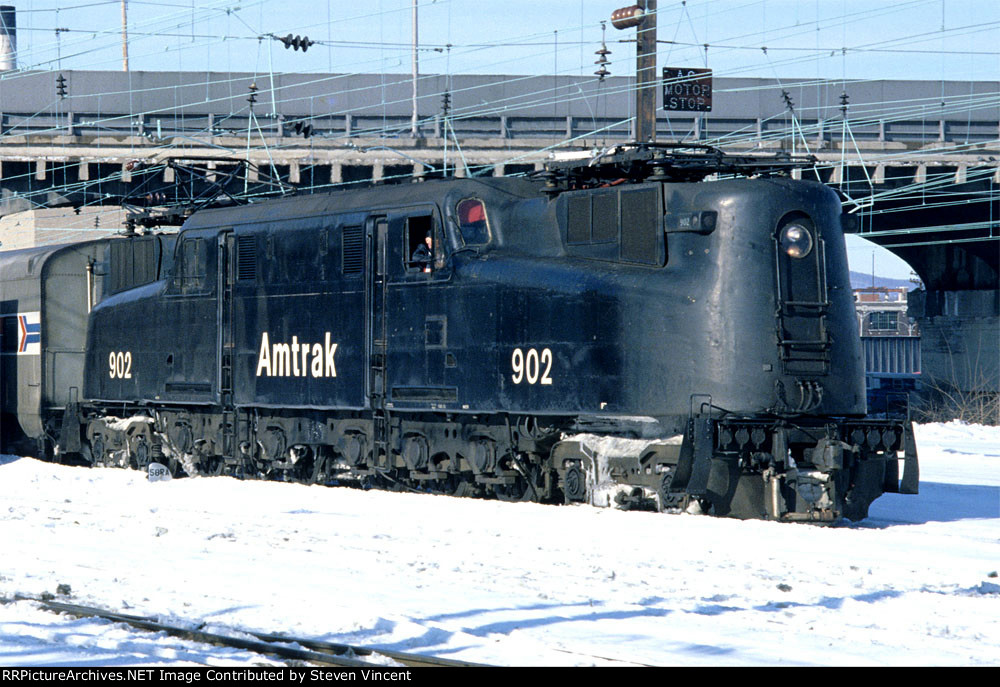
[[959, 341]]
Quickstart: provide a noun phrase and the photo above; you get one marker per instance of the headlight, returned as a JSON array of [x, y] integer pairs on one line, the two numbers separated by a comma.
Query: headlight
[[796, 240]]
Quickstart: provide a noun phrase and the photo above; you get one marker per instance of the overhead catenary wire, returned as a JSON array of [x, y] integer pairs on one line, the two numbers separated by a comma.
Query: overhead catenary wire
[[186, 20], [501, 43]]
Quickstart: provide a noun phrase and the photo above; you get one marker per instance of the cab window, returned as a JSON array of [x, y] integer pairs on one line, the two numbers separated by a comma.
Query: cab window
[[472, 222], [420, 244]]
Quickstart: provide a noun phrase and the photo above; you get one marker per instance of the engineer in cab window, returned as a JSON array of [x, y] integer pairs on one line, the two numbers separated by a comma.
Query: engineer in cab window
[[423, 254]]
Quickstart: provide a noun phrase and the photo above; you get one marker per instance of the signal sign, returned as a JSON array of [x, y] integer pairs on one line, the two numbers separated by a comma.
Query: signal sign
[[687, 89]]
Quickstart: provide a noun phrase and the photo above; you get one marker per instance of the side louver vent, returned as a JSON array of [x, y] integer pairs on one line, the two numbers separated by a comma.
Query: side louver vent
[[353, 251], [246, 258], [639, 212]]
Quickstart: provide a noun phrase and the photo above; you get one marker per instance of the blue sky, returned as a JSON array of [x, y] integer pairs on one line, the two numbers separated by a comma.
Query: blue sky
[[904, 39], [860, 253]]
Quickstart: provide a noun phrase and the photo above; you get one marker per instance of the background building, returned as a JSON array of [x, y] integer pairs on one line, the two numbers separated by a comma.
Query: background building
[[890, 339]]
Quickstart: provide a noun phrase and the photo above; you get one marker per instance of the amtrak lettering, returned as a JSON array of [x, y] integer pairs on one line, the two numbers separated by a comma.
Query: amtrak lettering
[[296, 359]]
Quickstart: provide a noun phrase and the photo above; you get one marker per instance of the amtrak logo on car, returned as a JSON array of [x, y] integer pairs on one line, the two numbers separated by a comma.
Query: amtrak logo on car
[[22, 334], [29, 334], [296, 359]]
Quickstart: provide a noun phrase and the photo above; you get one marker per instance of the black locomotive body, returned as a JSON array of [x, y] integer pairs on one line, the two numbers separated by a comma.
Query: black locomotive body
[[480, 336]]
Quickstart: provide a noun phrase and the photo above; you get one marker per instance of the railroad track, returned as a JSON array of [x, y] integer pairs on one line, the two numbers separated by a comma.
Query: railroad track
[[314, 652]]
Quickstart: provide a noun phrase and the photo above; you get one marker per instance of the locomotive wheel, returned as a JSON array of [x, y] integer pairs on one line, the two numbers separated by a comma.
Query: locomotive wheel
[[306, 469], [574, 484], [521, 490], [210, 466], [175, 467], [256, 468], [318, 475], [465, 489], [396, 480], [98, 450], [140, 453], [388, 480], [670, 500], [86, 455], [511, 492]]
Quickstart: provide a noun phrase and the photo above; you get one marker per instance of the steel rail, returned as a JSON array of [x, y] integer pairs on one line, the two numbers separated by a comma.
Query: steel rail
[[315, 651]]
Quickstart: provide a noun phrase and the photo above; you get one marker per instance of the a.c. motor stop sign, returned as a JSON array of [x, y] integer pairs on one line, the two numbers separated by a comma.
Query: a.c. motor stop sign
[[687, 89]]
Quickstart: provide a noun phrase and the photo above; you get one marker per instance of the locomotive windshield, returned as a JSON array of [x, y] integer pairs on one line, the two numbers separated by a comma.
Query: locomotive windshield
[[472, 222]]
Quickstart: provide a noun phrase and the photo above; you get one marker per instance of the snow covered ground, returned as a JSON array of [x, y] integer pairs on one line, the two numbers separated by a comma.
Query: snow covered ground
[[500, 583]]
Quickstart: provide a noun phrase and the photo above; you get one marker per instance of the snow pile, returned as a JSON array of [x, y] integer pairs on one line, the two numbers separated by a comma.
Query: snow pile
[[601, 488], [506, 583]]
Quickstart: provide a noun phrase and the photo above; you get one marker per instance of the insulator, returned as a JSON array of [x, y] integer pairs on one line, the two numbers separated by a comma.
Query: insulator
[[297, 42], [602, 56], [305, 130], [61, 86], [253, 94], [627, 17], [786, 96]]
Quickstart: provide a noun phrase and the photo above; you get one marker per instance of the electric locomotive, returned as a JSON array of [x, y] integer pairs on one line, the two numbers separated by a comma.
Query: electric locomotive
[[620, 332]]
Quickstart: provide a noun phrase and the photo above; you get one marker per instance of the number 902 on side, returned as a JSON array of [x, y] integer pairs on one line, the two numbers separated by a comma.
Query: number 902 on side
[[531, 366], [120, 364]]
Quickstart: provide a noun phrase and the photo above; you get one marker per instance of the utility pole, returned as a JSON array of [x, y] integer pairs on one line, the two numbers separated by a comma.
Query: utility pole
[[416, 73], [642, 15], [8, 38], [124, 36], [645, 71]]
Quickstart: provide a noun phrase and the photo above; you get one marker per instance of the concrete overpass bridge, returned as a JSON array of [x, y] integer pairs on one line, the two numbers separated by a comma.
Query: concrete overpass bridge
[[947, 230], [917, 161]]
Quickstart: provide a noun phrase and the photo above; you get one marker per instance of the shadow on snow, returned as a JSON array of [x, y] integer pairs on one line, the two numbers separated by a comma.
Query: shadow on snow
[[936, 502]]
